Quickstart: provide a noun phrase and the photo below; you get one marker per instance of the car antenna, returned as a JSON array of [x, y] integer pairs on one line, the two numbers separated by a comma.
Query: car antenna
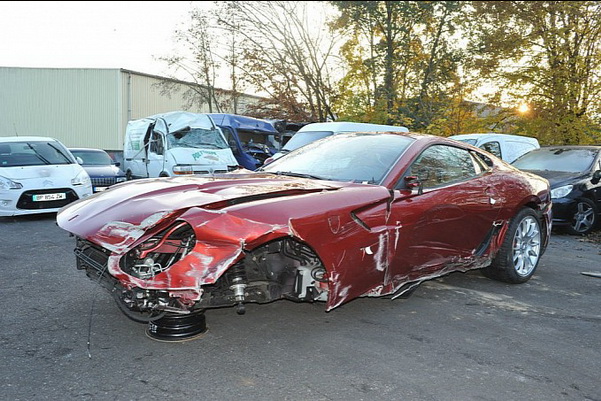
[[15, 127]]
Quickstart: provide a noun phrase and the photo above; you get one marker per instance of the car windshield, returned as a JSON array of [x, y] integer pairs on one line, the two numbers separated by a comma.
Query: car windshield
[[33, 153], [567, 160], [197, 138], [302, 138], [363, 158], [93, 158]]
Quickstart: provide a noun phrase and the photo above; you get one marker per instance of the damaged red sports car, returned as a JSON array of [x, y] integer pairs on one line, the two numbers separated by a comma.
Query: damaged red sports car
[[352, 215]]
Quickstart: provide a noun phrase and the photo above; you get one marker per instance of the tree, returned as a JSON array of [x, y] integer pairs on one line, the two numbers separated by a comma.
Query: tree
[[378, 54], [403, 60], [548, 52], [199, 65], [284, 56]]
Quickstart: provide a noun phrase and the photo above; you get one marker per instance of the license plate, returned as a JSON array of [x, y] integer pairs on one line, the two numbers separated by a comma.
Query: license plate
[[49, 197]]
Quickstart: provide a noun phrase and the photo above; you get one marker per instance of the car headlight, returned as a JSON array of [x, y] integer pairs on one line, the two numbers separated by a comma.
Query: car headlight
[[82, 178], [121, 179], [182, 169], [561, 192], [7, 183]]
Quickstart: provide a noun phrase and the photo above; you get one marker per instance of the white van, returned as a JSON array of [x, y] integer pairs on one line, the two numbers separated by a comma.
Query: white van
[[504, 146], [39, 175], [314, 131], [175, 143]]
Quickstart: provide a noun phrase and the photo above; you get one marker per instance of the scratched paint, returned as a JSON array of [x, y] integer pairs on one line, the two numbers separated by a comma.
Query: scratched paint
[[370, 240]]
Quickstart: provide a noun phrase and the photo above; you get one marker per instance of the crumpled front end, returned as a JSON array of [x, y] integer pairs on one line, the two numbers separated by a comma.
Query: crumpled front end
[[197, 257], [206, 262]]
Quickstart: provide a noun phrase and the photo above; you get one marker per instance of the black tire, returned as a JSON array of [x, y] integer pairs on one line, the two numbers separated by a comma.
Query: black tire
[[585, 217], [521, 250], [128, 175]]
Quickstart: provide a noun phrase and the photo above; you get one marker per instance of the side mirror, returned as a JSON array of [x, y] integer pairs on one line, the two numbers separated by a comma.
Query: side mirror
[[79, 160], [117, 164], [413, 181]]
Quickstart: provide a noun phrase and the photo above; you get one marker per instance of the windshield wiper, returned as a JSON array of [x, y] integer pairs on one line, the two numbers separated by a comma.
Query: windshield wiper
[[301, 175], [60, 152], [39, 156]]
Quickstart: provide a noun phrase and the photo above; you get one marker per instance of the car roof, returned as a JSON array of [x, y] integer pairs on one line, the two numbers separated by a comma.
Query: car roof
[[351, 127], [177, 120], [26, 138], [592, 147], [243, 122], [492, 135], [89, 149], [418, 136]]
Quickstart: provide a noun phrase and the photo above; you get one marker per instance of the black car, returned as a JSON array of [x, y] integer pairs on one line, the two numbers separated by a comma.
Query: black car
[[101, 168], [574, 173]]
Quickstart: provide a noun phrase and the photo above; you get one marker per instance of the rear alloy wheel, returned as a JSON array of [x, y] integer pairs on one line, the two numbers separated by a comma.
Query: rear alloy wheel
[[521, 250], [584, 218]]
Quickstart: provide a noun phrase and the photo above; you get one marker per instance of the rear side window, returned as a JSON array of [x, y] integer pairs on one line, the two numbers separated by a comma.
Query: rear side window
[[492, 147]]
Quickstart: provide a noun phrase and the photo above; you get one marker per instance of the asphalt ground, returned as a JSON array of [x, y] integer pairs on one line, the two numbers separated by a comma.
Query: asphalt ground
[[460, 337]]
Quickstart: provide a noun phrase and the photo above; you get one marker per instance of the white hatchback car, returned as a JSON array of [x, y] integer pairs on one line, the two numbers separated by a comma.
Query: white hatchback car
[[38, 175]]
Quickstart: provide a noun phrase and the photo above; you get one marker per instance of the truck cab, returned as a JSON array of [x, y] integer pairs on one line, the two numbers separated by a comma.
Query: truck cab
[[175, 143], [252, 140]]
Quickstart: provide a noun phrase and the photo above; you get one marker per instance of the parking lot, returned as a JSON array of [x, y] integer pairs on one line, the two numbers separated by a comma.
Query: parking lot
[[460, 337]]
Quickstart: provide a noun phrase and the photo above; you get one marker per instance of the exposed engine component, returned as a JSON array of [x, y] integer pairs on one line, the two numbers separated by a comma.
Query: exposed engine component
[[281, 269], [305, 289], [145, 261], [161, 251], [239, 288], [284, 268], [142, 305]]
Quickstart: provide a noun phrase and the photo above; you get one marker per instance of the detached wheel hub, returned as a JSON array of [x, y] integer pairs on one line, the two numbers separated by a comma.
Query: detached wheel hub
[[176, 327]]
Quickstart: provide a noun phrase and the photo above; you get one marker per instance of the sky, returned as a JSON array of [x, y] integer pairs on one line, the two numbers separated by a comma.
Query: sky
[[91, 34]]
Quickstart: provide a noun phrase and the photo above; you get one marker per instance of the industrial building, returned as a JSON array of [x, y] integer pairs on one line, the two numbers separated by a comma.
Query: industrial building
[[90, 107]]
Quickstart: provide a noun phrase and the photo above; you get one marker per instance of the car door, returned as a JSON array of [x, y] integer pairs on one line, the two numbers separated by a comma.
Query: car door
[[448, 219], [156, 149]]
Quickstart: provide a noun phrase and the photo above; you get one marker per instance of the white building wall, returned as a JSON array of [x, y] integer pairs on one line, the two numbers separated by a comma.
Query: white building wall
[[76, 106], [86, 107]]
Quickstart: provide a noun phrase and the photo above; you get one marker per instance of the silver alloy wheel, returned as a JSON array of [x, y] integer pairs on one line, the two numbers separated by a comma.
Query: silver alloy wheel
[[526, 246], [583, 218]]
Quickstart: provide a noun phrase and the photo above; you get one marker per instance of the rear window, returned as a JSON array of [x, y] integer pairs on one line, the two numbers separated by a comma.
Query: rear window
[[93, 158], [302, 138], [568, 160]]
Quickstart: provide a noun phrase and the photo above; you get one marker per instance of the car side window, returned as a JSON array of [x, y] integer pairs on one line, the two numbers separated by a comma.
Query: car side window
[[492, 147], [156, 143], [441, 165], [484, 161]]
